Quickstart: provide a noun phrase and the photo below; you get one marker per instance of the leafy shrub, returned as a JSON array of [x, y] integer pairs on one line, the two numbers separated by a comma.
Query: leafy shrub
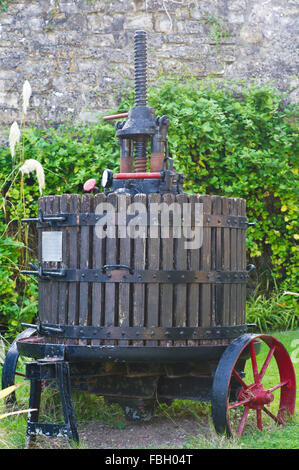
[[238, 142]]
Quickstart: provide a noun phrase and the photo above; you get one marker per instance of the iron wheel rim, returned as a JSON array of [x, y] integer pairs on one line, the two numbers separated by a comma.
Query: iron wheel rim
[[251, 398]]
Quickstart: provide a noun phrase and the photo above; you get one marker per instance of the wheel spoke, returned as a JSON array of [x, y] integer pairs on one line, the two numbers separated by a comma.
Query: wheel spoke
[[253, 362], [259, 419], [237, 376], [239, 403], [266, 363], [275, 418], [281, 384], [243, 421]]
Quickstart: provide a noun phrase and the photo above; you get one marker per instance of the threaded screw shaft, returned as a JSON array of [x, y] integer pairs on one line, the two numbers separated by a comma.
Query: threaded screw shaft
[[140, 48]]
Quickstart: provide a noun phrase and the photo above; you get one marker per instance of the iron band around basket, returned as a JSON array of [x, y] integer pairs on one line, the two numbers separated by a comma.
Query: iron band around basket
[[116, 218], [141, 333], [124, 274]]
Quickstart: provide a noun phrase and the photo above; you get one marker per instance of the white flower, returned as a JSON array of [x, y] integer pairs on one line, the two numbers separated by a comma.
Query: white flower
[[14, 137], [26, 95], [32, 165]]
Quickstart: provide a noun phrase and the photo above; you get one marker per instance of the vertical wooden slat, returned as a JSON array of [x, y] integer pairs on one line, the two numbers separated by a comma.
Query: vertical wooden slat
[[42, 285], [180, 264], [125, 247], [166, 290], [73, 294], [193, 290], [63, 286], [239, 264], [111, 289], [84, 264], [55, 266], [226, 264], [153, 262], [233, 263], [98, 291], [206, 266], [49, 265], [139, 263], [243, 263], [218, 317]]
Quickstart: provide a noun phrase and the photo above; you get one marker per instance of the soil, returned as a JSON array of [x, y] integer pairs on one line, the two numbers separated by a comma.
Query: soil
[[159, 433]]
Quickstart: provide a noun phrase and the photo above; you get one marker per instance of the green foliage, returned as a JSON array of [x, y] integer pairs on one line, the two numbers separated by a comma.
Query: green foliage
[[3, 5], [238, 141]]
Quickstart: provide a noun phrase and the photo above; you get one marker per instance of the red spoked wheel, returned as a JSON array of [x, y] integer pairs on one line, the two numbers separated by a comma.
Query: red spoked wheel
[[246, 394]]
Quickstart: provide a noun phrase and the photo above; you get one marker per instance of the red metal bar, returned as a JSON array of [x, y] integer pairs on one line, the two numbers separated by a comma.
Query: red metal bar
[[121, 176], [115, 116]]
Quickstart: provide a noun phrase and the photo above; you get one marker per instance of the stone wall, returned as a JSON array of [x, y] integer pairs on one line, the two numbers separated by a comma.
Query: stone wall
[[78, 54]]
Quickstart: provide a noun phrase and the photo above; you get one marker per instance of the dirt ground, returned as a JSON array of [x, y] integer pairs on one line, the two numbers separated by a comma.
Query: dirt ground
[[160, 432]]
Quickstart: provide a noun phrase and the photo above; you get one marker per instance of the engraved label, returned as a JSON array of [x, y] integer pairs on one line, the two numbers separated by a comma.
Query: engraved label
[[52, 246]]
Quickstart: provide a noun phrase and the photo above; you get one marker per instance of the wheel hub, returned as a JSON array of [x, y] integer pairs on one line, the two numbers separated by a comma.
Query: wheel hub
[[256, 394]]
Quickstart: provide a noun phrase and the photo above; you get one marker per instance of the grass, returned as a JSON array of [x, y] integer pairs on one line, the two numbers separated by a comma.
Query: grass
[[91, 408]]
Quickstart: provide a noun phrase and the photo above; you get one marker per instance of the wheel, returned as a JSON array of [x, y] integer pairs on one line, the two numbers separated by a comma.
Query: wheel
[[244, 395], [10, 364]]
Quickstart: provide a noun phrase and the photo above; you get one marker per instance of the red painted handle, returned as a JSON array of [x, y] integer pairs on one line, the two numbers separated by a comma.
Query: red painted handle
[[121, 176], [115, 116]]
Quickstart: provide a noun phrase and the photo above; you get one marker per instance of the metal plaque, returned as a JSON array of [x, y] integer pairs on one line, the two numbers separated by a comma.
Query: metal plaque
[[52, 246]]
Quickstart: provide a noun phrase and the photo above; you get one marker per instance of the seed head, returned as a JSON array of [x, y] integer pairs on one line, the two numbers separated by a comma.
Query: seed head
[[32, 165], [14, 137]]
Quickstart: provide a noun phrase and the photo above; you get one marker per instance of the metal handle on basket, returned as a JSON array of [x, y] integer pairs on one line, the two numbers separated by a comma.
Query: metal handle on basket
[[117, 266]]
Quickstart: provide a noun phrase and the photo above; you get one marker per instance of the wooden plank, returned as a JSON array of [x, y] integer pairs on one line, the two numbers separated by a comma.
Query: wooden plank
[[226, 264], [193, 290], [153, 262], [111, 289], [56, 266], [49, 265], [239, 264], [63, 286], [98, 291], [180, 263], [125, 255], [233, 264], [218, 289], [84, 264], [73, 294], [167, 263], [205, 313], [42, 285], [243, 263], [139, 263]]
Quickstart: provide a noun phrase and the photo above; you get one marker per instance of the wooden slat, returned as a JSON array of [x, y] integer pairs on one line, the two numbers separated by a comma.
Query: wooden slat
[[73, 295], [218, 313], [167, 263], [84, 264], [125, 255], [153, 262], [180, 263], [98, 291], [226, 264], [139, 263], [243, 263], [111, 290], [233, 264], [49, 265], [206, 266], [193, 290], [42, 285], [63, 286]]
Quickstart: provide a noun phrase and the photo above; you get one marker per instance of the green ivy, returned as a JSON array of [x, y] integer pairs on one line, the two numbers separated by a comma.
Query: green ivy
[[238, 141]]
